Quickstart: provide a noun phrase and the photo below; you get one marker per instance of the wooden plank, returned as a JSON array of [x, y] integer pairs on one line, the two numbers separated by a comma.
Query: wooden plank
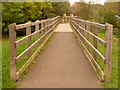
[[36, 29], [95, 24], [42, 26], [25, 38], [92, 60], [32, 57], [95, 31], [28, 32], [83, 26], [46, 25], [87, 34], [108, 52], [91, 46], [12, 39], [20, 26], [98, 39], [36, 42]]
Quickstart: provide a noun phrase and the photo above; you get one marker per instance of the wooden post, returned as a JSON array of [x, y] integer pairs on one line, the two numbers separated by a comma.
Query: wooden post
[[83, 32], [95, 32], [12, 39], [59, 19], [46, 25], [36, 29], [28, 31], [108, 52], [42, 26], [87, 35], [80, 24]]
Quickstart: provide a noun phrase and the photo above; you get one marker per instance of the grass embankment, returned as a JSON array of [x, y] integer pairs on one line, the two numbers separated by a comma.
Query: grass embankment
[[101, 48], [114, 80], [7, 83]]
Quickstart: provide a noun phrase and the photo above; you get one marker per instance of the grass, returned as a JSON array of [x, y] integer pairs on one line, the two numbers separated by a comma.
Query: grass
[[101, 49], [7, 83], [114, 81]]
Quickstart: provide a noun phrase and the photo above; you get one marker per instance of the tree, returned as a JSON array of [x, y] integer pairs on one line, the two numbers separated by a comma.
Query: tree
[[11, 12], [84, 11], [105, 15], [59, 8], [21, 12]]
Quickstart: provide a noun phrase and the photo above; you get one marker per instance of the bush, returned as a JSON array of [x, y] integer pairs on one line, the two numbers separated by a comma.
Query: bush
[[104, 15]]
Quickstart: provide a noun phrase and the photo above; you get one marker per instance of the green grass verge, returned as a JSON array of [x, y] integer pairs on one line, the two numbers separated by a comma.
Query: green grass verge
[[114, 80], [7, 83], [101, 49]]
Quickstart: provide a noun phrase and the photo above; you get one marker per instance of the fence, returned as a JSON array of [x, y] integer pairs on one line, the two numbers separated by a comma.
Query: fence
[[83, 32], [64, 19], [47, 29]]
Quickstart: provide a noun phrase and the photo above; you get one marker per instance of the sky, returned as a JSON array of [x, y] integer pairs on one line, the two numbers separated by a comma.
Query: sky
[[96, 1]]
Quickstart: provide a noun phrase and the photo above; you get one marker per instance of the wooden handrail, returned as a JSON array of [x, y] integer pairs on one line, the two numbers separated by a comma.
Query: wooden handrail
[[33, 34], [88, 43], [91, 34], [95, 24], [47, 30], [30, 47], [80, 30]]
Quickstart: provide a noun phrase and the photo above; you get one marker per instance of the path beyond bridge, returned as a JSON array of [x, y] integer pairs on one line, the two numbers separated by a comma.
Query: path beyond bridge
[[62, 64]]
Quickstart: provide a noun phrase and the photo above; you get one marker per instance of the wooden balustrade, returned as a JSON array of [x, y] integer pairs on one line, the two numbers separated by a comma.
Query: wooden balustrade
[[47, 29], [82, 31]]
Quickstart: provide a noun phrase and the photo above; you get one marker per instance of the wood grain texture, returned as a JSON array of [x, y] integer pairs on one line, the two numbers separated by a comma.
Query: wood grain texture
[[28, 32], [90, 45], [36, 29], [95, 43], [108, 52], [12, 39]]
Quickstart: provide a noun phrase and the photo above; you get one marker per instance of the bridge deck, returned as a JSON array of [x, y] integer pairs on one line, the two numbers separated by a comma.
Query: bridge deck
[[62, 64]]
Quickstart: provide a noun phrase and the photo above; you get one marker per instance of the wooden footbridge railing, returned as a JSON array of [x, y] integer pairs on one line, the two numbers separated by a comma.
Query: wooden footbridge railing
[[47, 29], [83, 32]]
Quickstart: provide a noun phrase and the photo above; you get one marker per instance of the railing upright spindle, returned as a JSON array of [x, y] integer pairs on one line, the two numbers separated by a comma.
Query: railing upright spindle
[[46, 25], [95, 32], [36, 29], [28, 32], [12, 39], [83, 25], [87, 35]]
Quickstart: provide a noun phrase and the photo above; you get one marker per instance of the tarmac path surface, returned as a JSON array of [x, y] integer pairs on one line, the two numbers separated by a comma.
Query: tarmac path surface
[[62, 64]]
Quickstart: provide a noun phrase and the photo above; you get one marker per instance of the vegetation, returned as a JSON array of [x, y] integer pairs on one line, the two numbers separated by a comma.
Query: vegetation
[[84, 11], [99, 13], [6, 82], [21, 12], [114, 77], [104, 14]]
